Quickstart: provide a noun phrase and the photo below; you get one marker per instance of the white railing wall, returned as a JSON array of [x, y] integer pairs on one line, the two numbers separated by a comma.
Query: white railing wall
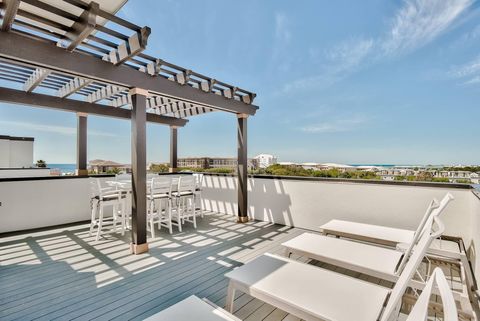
[[24, 172], [28, 204], [311, 203], [474, 246]]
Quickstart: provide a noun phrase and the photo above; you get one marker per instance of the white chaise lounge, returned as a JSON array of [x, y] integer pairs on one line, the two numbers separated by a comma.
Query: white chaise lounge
[[192, 308], [401, 239], [313, 293], [380, 262], [389, 236]]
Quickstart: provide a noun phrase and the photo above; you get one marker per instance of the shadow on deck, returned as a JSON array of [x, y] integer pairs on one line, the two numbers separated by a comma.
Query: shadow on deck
[[64, 274]]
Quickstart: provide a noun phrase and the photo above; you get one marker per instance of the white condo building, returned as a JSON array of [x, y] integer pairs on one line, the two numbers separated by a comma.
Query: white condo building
[[265, 160], [16, 152]]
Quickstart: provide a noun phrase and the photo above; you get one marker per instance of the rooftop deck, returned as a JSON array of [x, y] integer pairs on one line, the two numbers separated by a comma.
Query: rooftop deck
[[64, 274]]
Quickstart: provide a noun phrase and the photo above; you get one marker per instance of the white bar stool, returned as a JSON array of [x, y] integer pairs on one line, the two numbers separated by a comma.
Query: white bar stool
[[102, 197]]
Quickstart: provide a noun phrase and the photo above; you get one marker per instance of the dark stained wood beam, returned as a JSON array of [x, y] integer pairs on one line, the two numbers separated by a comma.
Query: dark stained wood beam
[[173, 149], [43, 54], [242, 169], [11, 8], [81, 169], [44, 101], [83, 27], [139, 171]]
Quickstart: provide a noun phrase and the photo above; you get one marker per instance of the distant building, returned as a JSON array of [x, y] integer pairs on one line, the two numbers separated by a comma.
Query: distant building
[[265, 160], [341, 167], [212, 162], [16, 152], [193, 162], [102, 166]]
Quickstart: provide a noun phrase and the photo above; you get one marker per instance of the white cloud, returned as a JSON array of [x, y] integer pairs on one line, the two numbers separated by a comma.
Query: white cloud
[[419, 22], [416, 23], [474, 80], [342, 60], [61, 130], [469, 72], [335, 126], [468, 69], [282, 30], [349, 54]]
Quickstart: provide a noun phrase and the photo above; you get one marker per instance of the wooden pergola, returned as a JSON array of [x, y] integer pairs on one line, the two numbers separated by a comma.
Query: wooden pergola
[[76, 56]]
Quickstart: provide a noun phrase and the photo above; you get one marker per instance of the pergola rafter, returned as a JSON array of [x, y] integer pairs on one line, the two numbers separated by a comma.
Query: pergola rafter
[[104, 93], [73, 86], [35, 79], [70, 55]]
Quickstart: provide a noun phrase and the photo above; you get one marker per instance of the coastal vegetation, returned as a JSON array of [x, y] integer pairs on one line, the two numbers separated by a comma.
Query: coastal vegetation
[[291, 170], [419, 175], [41, 163]]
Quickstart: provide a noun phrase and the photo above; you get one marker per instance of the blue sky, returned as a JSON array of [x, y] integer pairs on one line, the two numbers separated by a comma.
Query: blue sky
[[369, 81]]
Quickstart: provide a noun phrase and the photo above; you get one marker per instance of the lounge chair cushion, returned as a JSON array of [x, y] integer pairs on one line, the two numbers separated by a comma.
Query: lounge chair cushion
[[348, 254], [317, 292], [375, 233]]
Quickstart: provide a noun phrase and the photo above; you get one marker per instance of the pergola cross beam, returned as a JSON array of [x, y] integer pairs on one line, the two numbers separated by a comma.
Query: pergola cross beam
[[35, 79], [45, 101], [83, 27], [37, 53]]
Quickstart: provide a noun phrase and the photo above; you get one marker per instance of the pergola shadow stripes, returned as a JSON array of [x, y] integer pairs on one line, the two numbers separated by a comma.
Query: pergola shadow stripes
[[76, 56]]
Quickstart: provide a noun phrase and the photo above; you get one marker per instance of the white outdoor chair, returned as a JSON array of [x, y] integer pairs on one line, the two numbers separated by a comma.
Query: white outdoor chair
[[198, 193], [388, 236], [313, 293], [160, 204], [381, 262], [192, 308], [185, 201], [100, 198], [125, 185], [152, 175], [402, 239], [204, 310]]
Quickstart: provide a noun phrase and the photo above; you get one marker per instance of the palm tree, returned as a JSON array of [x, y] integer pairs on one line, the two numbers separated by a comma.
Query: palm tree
[[41, 163]]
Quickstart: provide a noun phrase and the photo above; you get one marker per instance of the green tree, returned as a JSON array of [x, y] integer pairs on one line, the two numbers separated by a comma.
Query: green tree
[[159, 168], [425, 177], [440, 180], [114, 170], [41, 163]]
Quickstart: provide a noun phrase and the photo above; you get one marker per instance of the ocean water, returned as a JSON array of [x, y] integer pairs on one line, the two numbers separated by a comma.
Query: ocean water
[[63, 168]]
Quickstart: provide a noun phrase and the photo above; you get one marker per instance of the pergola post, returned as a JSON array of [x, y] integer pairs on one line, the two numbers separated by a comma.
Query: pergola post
[[242, 168], [173, 149], [139, 171], [81, 144]]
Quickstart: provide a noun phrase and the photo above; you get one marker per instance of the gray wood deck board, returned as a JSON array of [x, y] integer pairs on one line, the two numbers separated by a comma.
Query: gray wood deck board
[[64, 274]]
